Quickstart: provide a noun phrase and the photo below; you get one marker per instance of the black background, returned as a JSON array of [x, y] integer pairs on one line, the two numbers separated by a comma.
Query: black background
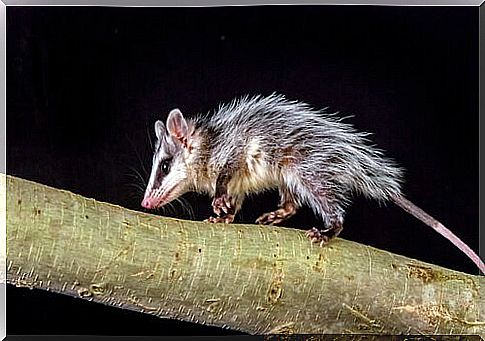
[[85, 85]]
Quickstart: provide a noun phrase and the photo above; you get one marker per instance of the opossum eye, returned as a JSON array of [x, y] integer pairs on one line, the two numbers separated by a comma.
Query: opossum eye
[[165, 166]]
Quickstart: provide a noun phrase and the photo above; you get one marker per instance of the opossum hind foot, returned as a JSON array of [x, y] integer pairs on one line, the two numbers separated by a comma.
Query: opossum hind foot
[[286, 211], [324, 236], [226, 219]]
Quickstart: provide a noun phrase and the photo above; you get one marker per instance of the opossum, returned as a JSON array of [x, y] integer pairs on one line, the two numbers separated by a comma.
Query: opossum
[[255, 143]]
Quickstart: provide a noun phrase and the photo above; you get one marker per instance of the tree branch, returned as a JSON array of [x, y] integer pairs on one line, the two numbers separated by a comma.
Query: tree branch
[[255, 279]]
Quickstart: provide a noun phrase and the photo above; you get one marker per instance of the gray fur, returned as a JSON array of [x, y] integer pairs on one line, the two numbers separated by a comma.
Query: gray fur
[[332, 161]]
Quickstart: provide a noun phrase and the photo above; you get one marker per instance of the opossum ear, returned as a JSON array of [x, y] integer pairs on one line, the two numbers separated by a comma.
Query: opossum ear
[[160, 129], [177, 125]]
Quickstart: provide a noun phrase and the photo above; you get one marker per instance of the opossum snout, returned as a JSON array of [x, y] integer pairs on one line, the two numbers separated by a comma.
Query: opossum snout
[[156, 198], [149, 203]]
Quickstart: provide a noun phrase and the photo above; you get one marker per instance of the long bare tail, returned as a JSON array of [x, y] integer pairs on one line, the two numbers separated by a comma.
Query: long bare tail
[[411, 208]]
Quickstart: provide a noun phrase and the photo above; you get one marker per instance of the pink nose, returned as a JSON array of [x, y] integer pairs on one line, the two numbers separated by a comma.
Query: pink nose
[[148, 203]]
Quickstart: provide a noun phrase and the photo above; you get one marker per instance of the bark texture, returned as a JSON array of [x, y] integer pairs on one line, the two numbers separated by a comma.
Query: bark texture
[[255, 279]]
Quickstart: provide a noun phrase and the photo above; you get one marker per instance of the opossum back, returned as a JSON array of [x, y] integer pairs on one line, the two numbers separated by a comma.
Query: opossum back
[[293, 132]]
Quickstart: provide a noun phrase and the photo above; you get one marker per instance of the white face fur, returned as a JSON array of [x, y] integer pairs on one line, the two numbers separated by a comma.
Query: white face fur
[[168, 178]]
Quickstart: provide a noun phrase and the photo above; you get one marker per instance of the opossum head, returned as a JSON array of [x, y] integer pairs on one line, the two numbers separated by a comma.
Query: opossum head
[[169, 174]]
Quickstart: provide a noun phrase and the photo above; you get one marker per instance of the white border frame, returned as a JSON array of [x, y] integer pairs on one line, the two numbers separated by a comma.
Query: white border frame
[[145, 3]]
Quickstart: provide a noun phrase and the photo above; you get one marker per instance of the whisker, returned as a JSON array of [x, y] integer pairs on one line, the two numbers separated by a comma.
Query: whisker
[[150, 141], [185, 207], [140, 159], [138, 179], [166, 209], [139, 175], [134, 183], [189, 207], [175, 201], [170, 209], [138, 189]]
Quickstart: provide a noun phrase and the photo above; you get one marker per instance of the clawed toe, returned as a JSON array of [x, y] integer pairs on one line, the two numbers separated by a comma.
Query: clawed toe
[[324, 236], [222, 205], [227, 219], [267, 219], [275, 217]]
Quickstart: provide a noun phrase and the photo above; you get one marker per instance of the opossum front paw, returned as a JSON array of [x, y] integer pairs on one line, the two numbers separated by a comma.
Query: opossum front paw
[[227, 219], [223, 205]]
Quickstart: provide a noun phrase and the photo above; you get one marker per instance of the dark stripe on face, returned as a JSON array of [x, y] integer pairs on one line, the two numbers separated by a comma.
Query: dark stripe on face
[[162, 170], [158, 178]]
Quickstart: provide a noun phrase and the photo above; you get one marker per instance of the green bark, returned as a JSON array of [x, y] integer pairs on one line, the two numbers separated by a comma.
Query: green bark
[[256, 279]]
